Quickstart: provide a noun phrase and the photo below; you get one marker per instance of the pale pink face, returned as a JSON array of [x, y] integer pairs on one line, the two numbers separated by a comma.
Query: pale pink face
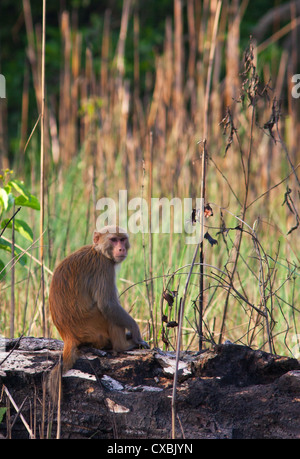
[[113, 245], [119, 248]]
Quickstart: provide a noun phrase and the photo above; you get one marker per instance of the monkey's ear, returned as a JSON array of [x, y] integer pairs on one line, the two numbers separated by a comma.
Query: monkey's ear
[[96, 237]]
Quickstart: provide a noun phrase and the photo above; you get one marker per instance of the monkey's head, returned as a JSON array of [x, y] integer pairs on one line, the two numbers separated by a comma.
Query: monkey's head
[[112, 242]]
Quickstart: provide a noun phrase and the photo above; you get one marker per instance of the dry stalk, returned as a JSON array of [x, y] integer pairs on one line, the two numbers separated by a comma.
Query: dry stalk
[[179, 342], [262, 283], [150, 253], [178, 56], [18, 410], [12, 297], [204, 165], [201, 279], [148, 280], [24, 115], [25, 252], [122, 37], [58, 431], [249, 91], [42, 177]]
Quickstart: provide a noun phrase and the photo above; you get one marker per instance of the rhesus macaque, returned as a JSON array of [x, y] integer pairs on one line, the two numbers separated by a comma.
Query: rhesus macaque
[[84, 301]]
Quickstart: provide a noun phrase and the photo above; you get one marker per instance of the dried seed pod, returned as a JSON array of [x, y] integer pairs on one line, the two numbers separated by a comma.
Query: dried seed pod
[[172, 324], [210, 239], [168, 297], [208, 212]]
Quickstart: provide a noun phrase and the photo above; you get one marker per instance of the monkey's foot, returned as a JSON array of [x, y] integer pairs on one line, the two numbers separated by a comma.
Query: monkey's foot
[[143, 345], [140, 345], [99, 352]]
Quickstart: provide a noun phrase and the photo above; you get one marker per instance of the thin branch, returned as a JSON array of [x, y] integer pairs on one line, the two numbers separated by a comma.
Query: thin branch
[[179, 342], [25, 252], [32, 132], [274, 186], [8, 222], [31, 434], [42, 166]]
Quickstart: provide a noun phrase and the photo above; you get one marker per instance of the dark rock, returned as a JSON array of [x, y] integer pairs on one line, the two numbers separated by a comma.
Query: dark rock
[[242, 366], [290, 381]]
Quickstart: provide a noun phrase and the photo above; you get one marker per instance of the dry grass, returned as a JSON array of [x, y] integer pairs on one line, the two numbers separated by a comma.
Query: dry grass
[[103, 135]]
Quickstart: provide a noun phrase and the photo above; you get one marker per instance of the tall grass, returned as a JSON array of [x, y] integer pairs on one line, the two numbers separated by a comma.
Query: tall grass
[[102, 134]]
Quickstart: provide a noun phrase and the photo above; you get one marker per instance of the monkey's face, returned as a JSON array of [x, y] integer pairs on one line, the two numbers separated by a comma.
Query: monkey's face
[[119, 248], [113, 245]]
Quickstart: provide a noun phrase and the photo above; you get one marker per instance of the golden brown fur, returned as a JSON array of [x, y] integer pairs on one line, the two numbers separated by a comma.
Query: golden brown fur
[[84, 302]]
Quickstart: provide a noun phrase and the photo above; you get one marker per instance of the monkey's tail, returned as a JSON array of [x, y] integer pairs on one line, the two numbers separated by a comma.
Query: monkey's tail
[[69, 357], [54, 382]]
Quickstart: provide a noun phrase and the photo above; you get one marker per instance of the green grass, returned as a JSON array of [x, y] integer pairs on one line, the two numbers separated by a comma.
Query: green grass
[[109, 161], [69, 229]]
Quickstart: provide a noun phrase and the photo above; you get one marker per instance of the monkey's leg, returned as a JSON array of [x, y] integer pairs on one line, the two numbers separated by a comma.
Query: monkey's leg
[[94, 331], [99, 343]]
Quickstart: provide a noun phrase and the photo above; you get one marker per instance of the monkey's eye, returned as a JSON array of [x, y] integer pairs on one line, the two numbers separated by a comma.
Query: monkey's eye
[[114, 239]]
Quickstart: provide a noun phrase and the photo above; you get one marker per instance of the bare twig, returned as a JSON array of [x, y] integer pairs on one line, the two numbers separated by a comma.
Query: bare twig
[[42, 178], [25, 252], [12, 350], [8, 222], [19, 412], [179, 342], [274, 186], [204, 164], [12, 296]]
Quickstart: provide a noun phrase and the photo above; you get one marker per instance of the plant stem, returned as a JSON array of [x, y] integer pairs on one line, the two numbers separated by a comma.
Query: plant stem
[[12, 296], [42, 178], [182, 304], [204, 161], [239, 235], [151, 295], [201, 279]]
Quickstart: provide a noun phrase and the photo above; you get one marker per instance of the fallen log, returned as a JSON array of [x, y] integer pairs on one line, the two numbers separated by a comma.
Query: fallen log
[[228, 391]]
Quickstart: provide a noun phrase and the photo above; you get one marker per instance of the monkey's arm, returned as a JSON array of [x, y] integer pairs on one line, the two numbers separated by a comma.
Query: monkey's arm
[[106, 297], [114, 312], [117, 315]]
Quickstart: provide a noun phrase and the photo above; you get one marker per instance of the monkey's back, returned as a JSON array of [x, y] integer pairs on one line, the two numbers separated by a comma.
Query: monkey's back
[[74, 285]]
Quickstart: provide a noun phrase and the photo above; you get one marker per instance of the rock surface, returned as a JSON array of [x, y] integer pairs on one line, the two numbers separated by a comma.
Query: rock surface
[[229, 391]]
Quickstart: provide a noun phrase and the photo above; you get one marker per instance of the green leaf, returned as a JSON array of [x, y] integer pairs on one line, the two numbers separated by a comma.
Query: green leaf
[[32, 202], [25, 199], [3, 199], [19, 187], [11, 200], [2, 274], [5, 245], [21, 227]]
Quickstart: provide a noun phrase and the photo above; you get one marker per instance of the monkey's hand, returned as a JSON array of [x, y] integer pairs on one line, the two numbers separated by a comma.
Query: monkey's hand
[[143, 345], [139, 343]]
